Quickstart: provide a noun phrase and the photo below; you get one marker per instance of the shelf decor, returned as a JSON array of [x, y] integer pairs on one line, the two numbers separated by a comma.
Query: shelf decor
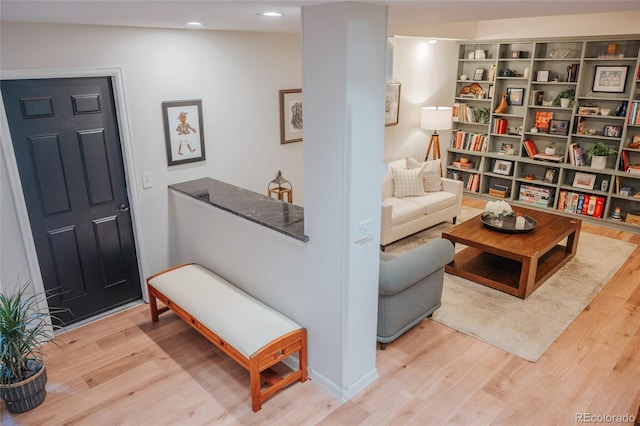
[[610, 78]]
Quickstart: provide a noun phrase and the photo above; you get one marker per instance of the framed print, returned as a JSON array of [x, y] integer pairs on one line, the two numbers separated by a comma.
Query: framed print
[[542, 119], [612, 131], [515, 96], [542, 75], [392, 104], [610, 78], [559, 127], [550, 175], [478, 74], [584, 181], [183, 131], [290, 115], [491, 91], [502, 167]]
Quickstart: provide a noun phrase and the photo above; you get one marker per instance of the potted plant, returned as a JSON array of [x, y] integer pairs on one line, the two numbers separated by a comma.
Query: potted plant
[[599, 153], [482, 114], [23, 328], [550, 149], [565, 98]]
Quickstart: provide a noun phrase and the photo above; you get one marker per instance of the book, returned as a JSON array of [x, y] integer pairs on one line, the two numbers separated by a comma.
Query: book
[[548, 157], [530, 147], [541, 121], [599, 207], [562, 199]]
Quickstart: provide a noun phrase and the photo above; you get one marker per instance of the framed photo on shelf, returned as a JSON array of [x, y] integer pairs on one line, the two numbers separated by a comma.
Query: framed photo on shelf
[[584, 181], [478, 74], [491, 91], [502, 167], [559, 127], [290, 116], [515, 96], [542, 75], [610, 78], [392, 104], [550, 175], [612, 131], [185, 141]]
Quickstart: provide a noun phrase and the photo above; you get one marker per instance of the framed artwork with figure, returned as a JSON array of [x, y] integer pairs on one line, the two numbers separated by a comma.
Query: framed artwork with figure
[[183, 132], [392, 104], [290, 115]]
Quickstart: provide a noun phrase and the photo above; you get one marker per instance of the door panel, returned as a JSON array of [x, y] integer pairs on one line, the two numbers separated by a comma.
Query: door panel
[[67, 147]]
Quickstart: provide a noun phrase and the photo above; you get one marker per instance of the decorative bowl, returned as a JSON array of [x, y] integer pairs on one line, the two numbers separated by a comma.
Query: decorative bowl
[[508, 223]]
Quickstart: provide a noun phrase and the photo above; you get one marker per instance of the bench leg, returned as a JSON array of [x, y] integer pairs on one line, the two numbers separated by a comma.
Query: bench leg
[[153, 307], [256, 385]]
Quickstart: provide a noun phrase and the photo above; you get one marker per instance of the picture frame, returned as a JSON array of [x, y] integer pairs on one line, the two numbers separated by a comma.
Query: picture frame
[[290, 116], [612, 131], [184, 142], [478, 74], [502, 167], [507, 148], [610, 78], [550, 175], [491, 91], [584, 180], [392, 104], [559, 127], [542, 75], [515, 96]]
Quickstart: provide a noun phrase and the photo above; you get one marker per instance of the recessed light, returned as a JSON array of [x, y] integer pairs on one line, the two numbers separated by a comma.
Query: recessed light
[[271, 14], [194, 24], [433, 41]]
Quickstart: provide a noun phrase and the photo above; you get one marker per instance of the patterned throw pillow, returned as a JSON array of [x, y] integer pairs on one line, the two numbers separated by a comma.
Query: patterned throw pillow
[[407, 183], [430, 173]]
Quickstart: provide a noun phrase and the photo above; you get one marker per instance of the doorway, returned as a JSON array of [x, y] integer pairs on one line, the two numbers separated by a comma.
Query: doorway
[[68, 151]]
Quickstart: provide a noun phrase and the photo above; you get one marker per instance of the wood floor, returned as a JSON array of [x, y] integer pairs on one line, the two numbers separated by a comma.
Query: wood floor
[[125, 370]]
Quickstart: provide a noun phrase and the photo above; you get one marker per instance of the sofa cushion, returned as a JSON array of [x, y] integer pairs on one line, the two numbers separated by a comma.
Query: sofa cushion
[[404, 210], [433, 202], [432, 179], [407, 183]]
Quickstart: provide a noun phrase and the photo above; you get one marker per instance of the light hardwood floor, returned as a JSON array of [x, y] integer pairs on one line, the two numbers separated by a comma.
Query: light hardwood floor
[[125, 370]]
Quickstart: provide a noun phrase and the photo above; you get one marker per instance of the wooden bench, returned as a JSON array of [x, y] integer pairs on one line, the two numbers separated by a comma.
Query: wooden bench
[[251, 333]]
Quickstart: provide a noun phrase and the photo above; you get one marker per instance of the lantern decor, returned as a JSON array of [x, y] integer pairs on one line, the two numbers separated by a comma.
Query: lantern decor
[[277, 187]]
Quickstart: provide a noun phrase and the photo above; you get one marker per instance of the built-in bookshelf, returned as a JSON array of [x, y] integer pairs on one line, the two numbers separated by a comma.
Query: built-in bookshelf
[[533, 151]]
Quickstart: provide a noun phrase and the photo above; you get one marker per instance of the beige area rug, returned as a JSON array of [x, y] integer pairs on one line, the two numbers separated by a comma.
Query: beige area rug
[[525, 328]]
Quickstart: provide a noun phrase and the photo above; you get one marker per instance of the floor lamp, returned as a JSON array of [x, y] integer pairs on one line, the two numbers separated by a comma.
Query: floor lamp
[[435, 118]]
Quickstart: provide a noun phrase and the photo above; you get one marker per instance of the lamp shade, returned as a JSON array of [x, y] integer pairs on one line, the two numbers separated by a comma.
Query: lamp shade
[[436, 118]]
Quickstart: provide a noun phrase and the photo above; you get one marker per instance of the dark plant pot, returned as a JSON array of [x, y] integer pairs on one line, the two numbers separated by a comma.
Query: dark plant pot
[[27, 394]]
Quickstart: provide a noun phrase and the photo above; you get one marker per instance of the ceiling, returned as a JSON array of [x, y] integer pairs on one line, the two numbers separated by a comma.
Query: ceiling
[[240, 15]]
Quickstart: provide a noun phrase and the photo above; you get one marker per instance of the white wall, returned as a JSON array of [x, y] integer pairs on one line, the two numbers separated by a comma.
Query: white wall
[[427, 73], [236, 74]]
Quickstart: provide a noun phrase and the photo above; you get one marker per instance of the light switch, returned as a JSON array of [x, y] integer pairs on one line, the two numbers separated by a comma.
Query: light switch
[[147, 182], [365, 231]]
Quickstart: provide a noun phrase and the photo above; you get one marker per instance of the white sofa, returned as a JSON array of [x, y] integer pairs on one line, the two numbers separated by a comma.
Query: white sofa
[[404, 216]]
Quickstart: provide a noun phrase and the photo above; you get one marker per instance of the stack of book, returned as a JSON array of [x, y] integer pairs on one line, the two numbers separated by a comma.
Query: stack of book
[[634, 114], [532, 152], [501, 191], [535, 195], [463, 113], [500, 126], [576, 155], [579, 203], [473, 184], [464, 166], [469, 141]]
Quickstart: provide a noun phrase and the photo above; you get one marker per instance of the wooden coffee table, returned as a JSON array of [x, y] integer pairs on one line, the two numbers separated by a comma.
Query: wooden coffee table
[[514, 263]]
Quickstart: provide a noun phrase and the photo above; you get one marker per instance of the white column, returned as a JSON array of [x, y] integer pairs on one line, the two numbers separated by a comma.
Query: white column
[[344, 48]]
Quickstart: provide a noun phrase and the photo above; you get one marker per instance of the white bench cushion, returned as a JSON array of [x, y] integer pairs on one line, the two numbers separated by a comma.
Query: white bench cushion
[[244, 322]]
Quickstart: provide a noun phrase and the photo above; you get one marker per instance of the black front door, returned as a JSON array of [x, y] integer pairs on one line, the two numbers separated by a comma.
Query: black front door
[[67, 147]]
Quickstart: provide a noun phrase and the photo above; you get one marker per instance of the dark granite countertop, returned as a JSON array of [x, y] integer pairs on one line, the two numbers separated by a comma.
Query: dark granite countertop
[[277, 215]]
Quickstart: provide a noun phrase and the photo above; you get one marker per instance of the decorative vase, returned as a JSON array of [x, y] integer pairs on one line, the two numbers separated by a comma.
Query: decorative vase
[[599, 162]]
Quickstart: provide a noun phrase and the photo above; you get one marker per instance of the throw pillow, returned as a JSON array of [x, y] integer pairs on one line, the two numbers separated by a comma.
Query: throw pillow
[[407, 183], [430, 173]]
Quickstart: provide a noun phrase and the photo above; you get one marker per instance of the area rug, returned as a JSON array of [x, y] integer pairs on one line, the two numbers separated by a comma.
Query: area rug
[[526, 328]]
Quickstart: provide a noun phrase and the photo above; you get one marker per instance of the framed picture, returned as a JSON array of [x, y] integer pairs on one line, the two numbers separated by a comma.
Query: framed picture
[[542, 119], [542, 75], [478, 74], [559, 127], [550, 175], [612, 131], [492, 73], [183, 131], [507, 148], [290, 115], [610, 78], [491, 91], [584, 181], [515, 96], [502, 167], [392, 104]]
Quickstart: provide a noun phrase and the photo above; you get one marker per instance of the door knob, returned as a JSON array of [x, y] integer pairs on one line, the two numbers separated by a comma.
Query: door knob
[[123, 208]]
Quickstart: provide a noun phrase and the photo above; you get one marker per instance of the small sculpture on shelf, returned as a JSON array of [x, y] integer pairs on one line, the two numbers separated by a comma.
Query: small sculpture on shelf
[[502, 107]]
